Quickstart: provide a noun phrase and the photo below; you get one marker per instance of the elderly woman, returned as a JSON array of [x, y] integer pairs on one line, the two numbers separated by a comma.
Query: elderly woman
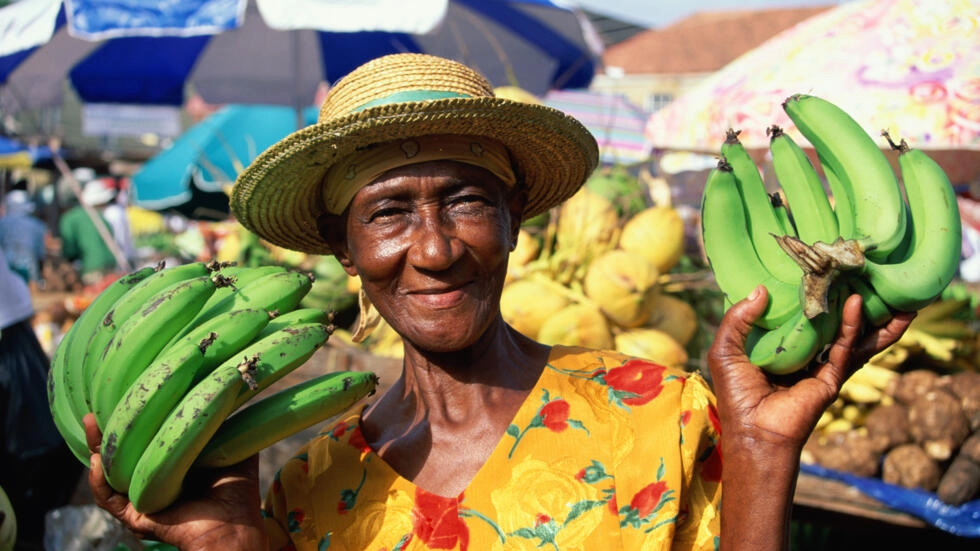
[[418, 179]]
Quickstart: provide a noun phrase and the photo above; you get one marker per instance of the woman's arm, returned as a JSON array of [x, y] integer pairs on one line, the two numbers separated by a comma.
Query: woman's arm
[[765, 420], [220, 510]]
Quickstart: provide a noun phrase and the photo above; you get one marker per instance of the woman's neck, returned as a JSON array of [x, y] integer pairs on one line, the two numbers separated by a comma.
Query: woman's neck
[[417, 426]]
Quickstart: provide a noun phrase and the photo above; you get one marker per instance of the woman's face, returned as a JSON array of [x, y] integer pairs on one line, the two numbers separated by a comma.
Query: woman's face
[[430, 243]]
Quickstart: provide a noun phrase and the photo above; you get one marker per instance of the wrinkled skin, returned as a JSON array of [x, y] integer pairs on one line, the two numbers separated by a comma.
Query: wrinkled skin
[[430, 244]]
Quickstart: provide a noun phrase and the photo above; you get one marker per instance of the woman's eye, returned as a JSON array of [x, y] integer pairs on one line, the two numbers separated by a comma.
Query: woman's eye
[[472, 199], [385, 213]]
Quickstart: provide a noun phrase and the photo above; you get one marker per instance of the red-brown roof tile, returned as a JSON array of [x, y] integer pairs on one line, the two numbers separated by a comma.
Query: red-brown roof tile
[[703, 42]]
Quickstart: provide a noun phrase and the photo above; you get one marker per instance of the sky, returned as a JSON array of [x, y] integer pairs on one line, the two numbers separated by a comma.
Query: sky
[[659, 13]]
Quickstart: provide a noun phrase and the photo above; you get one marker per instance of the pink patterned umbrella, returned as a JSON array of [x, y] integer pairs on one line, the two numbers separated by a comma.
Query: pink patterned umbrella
[[911, 67]]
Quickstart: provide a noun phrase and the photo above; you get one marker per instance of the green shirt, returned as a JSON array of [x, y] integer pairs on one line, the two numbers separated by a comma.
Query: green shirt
[[80, 240]]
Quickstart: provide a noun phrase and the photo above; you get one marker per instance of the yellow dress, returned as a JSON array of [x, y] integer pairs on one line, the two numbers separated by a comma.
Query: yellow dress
[[607, 452]]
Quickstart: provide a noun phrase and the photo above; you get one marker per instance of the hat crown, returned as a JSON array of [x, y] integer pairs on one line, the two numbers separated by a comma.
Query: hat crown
[[402, 77]]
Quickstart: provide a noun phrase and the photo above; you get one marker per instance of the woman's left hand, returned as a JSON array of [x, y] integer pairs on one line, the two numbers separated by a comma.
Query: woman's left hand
[[782, 410]]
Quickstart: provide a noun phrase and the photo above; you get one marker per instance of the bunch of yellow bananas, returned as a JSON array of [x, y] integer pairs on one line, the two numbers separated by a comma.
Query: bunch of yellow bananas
[[164, 356], [810, 252]]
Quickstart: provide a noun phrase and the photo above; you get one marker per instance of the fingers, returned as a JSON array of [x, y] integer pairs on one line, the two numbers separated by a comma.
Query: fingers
[[850, 350], [729, 341], [93, 436]]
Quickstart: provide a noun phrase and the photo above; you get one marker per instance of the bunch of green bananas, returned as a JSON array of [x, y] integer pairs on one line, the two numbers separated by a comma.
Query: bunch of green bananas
[[898, 252], [164, 356]]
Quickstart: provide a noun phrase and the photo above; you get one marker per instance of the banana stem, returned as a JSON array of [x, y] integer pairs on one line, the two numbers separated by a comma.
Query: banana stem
[[821, 263]]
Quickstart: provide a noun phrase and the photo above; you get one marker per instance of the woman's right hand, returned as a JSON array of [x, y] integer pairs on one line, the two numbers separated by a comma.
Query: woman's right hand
[[223, 513]]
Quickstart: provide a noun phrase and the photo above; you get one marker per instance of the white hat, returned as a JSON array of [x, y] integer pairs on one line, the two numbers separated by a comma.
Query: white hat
[[97, 192], [83, 174], [18, 201]]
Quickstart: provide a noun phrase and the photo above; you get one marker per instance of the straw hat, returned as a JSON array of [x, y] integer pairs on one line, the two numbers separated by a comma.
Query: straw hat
[[397, 97]]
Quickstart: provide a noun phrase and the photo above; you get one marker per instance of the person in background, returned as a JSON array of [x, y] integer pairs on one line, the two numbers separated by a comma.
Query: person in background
[[39, 472], [115, 214], [23, 237], [80, 239]]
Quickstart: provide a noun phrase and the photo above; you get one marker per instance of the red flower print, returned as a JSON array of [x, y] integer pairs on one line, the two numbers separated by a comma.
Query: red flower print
[[613, 506], [711, 466], [642, 380], [713, 417], [685, 417], [357, 440], [294, 518], [437, 522], [554, 415], [339, 430], [646, 500], [541, 518]]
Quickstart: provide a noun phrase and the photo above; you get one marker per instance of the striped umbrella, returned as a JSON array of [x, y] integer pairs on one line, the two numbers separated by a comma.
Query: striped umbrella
[[616, 123], [273, 51]]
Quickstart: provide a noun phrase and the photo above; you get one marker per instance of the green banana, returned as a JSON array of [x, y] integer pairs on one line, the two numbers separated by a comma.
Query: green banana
[[140, 338], [151, 397], [782, 213], [66, 378], [803, 189], [867, 197], [296, 317], [933, 256], [265, 422], [160, 471], [874, 309], [762, 222], [237, 277], [796, 343], [732, 257], [124, 308], [278, 291]]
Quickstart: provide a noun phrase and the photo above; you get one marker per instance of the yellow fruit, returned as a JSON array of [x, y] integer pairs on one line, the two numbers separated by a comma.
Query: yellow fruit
[[526, 304], [674, 316], [516, 93], [385, 342], [354, 284], [528, 248], [657, 234], [623, 285], [652, 344], [577, 324], [145, 222], [587, 226], [838, 425]]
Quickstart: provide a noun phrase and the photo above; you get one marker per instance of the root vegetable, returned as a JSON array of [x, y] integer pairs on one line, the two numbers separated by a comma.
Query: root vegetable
[[961, 481], [909, 466], [915, 383], [938, 424], [966, 386], [888, 426], [849, 451]]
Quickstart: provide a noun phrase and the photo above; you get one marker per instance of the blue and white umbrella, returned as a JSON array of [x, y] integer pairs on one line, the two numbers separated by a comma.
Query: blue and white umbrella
[[274, 51], [210, 154]]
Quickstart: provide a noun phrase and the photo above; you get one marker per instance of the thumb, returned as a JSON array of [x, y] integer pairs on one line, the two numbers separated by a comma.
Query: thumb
[[729, 342]]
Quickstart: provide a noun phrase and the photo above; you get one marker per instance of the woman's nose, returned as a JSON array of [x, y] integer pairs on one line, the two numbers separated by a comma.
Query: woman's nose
[[435, 245]]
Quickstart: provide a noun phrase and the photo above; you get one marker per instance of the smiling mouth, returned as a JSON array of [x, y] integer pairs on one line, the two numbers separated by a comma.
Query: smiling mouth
[[446, 297]]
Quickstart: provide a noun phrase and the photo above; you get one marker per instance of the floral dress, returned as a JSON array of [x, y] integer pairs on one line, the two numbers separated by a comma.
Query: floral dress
[[607, 452]]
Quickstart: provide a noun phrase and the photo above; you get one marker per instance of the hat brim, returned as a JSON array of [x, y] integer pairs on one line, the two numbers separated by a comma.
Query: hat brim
[[278, 196]]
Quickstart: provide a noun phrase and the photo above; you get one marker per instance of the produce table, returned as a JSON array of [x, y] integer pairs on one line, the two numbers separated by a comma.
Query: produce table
[[847, 520], [818, 497]]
